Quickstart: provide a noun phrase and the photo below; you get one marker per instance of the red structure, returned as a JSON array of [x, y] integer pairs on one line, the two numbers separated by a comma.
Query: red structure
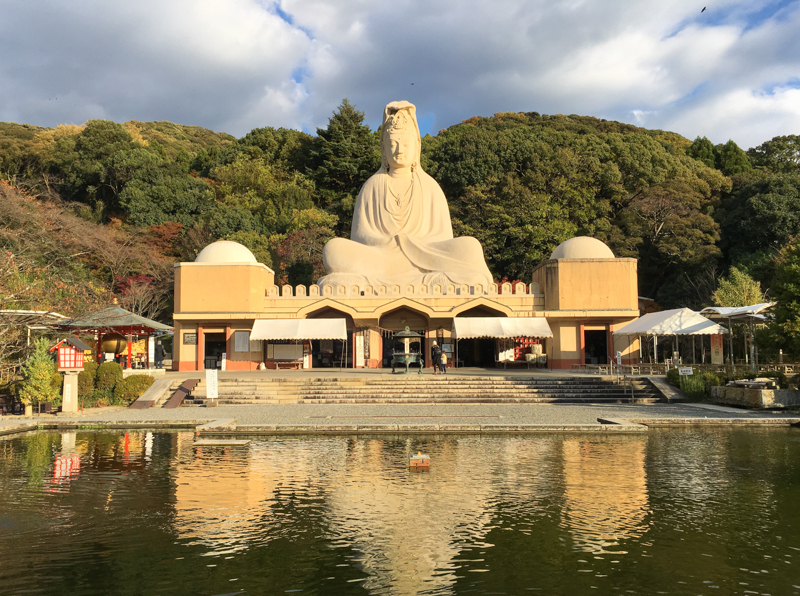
[[114, 320], [70, 353]]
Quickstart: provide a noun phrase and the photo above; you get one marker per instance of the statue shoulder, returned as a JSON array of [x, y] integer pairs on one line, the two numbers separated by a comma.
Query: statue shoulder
[[374, 183]]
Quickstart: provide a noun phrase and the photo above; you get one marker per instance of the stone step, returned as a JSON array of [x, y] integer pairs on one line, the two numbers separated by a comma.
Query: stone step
[[462, 400]]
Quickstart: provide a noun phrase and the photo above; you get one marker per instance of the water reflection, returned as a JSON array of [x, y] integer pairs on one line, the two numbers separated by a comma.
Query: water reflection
[[605, 494], [677, 512]]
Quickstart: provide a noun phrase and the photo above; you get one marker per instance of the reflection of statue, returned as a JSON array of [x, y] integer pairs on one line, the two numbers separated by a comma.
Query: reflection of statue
[[401, 230]]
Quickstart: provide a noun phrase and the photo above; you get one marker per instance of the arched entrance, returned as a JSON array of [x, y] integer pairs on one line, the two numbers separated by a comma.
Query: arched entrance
[[479, 352], [397, 320], [332, 353]]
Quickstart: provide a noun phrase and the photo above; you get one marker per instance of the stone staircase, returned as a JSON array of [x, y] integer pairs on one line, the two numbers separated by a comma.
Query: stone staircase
[[428, 389]]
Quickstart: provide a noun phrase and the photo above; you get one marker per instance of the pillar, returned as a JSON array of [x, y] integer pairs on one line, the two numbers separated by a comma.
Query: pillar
[[200, 350], [69, 392]]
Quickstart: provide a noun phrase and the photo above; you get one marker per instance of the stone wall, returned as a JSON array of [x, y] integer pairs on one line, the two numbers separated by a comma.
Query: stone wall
[[755, 398]]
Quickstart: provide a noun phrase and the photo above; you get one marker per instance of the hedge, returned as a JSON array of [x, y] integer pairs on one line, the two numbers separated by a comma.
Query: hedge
[[131, 388], [108, 375]]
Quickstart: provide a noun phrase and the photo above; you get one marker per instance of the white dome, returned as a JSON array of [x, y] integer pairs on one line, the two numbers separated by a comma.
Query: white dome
[[225, 251], [582, 247]]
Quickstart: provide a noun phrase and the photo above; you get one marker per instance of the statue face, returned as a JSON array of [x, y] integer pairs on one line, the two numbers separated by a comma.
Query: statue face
[[401, 150]]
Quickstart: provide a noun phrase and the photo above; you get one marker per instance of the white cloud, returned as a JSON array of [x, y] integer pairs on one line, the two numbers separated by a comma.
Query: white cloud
[[234, 66]]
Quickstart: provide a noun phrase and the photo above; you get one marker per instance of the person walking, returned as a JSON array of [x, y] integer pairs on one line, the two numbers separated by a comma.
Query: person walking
[[159, 355], [436, 357]]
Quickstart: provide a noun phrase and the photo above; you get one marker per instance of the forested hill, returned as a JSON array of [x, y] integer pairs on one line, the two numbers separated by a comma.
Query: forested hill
[[707, 223]]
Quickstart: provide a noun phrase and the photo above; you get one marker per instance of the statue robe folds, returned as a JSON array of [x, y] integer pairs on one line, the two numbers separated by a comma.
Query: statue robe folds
[[405, 241]]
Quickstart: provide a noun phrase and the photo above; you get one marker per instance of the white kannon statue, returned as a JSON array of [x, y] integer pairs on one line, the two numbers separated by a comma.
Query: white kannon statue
[[401, 230]]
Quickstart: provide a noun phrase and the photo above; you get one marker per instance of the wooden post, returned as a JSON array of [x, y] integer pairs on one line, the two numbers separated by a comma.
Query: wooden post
[[130, 347]]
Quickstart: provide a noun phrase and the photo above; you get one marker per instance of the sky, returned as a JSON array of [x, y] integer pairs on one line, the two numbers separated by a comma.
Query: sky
[[729, 72]]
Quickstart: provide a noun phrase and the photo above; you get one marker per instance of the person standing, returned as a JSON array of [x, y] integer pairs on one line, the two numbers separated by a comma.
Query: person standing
[[159, 355], [436, 357], [443, 362]]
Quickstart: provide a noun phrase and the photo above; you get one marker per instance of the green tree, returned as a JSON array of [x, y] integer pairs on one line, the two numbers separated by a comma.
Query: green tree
[[341, 159], [731, 160], [738, 289], [299, 251], [780, 155], [258, 244], [785, 328], [761, 214], [37, 376], [703, 151], [159, 191], [517, 226], [84, 164]]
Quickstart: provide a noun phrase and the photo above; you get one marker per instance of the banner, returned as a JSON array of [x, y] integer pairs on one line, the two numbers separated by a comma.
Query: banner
[[716, 349]]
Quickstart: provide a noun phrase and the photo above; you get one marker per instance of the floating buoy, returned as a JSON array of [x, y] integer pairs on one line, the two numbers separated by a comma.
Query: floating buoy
[[420, 460]]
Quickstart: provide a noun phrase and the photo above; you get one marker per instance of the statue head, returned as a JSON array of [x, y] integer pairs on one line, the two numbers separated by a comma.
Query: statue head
[[400, 142]]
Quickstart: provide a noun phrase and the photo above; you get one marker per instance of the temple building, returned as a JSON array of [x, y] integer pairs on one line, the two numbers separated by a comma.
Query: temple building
[[402, 268], [582, 294]]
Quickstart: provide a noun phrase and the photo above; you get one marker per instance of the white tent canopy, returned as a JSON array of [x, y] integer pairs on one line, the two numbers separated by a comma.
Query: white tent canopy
[[678, 321], [738, 313], [500, 327], [299, 329]]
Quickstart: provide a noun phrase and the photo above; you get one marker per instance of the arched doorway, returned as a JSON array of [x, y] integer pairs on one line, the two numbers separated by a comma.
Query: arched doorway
[[479, 352], [397, 320], [332, 353]]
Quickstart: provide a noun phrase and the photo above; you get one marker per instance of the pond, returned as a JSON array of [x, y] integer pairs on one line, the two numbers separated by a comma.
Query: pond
[[686, 511]]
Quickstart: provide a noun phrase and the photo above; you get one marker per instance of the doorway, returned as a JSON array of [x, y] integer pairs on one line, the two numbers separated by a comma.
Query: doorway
[[214, 348], [596, 346], [479, 352]]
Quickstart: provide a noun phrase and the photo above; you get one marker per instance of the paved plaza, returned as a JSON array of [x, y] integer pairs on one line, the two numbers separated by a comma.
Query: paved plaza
[[484, 417]]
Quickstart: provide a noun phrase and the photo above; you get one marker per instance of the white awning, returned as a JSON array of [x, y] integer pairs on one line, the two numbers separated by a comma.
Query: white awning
[[299, 329], [502, 327], [678, 321], [754, 312]]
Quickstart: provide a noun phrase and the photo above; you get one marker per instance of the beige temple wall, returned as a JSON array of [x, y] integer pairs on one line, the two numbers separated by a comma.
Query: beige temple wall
[[578, 292], [588, 284], [221, 287]]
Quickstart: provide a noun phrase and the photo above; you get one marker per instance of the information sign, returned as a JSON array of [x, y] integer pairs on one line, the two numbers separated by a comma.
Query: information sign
[[212, 387], [224, 365], [685, 371]]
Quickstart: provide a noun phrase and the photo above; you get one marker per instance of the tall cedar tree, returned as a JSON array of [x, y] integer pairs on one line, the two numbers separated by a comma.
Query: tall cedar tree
[[342, 157]]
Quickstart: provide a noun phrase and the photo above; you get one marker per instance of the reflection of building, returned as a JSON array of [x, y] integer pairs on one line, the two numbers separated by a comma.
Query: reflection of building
[[583, 292], [226, 498], [411, 526], [605, 491]]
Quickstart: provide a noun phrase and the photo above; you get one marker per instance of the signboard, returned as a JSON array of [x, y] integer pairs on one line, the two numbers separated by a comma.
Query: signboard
[[67, 394], [212, 386], [359, 351], [241, 341], [190, 339], [685, 371], [224, 362], [716, 349], [619, 358]]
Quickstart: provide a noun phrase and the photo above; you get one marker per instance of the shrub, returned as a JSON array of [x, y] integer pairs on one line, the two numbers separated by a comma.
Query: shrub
[[37, 372], [85, 383], [57, 380], [673, 378], [86, 379], [108, 375], [98, 398], [795, 381], [132, 388]]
